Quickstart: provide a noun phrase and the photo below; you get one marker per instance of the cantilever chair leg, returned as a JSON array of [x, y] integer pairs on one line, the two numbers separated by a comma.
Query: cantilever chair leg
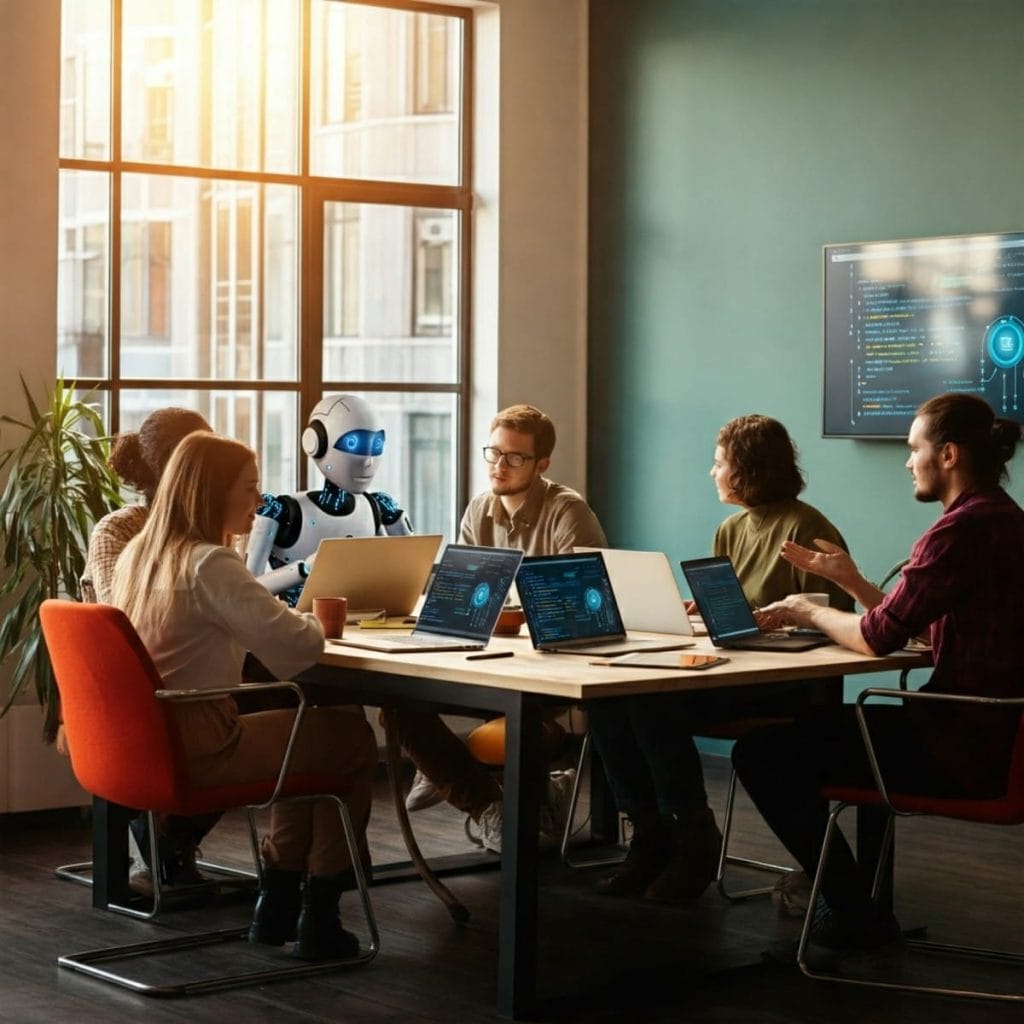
[[455, 907], [724, 858], [973, 952], [81, 873], [89, 962], [570, 816]]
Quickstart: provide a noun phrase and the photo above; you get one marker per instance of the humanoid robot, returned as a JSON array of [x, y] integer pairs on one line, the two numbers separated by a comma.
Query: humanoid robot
[[345, 438]]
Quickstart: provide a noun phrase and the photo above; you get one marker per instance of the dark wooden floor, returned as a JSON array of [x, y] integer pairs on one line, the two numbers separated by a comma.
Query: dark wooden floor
[[601, 960]]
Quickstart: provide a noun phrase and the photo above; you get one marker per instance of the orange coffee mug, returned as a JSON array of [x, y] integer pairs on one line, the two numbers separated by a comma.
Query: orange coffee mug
[[332, 612]]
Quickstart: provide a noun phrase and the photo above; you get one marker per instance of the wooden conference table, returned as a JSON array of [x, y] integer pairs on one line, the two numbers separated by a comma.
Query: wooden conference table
[[521, 687]]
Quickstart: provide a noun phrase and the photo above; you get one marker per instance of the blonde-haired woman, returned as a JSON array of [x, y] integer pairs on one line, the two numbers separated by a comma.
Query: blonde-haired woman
[[198, 610]]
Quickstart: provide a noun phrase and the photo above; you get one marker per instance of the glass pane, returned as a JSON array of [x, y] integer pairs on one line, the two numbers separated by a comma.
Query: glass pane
[[418, 465], [386, 95], [208, 279], [390, 293], [264, 420], [212, 83], [85, 79], [83, 256]]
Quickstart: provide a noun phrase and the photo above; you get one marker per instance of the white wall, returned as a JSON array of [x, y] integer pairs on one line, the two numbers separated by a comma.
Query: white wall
[[530, 311]]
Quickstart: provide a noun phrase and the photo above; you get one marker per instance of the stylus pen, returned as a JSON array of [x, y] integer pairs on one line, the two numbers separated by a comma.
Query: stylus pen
[[489, 654]]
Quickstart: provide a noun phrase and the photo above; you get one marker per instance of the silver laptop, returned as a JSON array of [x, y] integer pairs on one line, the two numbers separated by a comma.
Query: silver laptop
[[646, 589], [570, 607], [379, 574], [462, 604]]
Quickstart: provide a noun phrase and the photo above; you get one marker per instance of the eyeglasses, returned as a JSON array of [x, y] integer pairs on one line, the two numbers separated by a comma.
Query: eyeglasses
[[512, 459]]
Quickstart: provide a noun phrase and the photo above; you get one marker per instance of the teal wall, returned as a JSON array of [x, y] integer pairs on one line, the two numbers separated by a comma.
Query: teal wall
[[731, 139]]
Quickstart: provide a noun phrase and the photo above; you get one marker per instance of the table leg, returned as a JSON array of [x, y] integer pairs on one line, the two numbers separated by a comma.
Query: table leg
[[517, 927]]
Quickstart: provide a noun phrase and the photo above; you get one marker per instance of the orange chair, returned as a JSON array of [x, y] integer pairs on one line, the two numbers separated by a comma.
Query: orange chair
[[125, 749], [1007, 809]]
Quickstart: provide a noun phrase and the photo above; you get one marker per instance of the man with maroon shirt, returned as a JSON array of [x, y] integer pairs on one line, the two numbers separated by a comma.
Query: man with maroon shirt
[[964, 586]]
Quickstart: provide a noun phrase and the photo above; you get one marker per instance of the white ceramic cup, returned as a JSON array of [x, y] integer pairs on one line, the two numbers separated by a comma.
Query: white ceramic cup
[[821, 599]]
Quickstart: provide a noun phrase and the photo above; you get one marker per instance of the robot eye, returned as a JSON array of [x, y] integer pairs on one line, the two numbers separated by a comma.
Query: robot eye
[[361, 442]]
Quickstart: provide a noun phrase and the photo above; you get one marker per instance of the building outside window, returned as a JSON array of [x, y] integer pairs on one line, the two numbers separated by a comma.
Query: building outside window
[[243, 231]]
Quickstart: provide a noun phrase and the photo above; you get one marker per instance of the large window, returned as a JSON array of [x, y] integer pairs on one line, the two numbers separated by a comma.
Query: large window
[[266, 201]]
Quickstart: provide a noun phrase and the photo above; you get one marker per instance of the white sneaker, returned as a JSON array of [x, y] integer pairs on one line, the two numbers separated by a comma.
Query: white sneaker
[[555, 808], [140, 880], [422, 794], [487, 831], [791, 894]]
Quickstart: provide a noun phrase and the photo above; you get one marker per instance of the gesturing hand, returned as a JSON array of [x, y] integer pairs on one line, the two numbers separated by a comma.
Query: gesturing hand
[[830, 561]]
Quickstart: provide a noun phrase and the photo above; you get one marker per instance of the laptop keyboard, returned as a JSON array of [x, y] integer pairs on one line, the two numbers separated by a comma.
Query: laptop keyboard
[[426, 641]]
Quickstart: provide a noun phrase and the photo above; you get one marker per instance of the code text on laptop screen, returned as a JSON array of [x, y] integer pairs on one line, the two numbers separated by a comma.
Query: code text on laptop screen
[[468, 591], [721, 600], [571, 598]]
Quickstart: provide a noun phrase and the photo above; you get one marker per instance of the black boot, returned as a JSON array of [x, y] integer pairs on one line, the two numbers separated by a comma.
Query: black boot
[[649, 851], [319, 935], [277, 908], [693, 864]]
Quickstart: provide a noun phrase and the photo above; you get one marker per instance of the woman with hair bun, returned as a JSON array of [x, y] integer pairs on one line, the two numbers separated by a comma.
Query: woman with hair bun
[[139, 459]]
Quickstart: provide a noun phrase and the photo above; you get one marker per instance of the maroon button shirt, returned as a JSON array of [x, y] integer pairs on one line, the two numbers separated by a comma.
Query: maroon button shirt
[[964, 581]]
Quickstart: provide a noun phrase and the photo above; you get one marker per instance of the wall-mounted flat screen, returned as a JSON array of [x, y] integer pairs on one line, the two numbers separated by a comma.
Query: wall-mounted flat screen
[[908, 320]]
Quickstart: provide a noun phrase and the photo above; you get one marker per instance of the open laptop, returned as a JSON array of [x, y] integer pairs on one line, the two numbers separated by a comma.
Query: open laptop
[[570, 607], [726, 612], [646, 590], [462, 603], [382, 574]]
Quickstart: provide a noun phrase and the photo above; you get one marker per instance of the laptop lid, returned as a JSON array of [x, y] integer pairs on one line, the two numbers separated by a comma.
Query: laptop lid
[[568, 600], [467, 592], [646, 590], [372, 572], [720, 599]]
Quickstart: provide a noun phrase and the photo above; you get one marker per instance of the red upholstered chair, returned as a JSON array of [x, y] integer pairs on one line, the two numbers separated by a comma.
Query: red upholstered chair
[[125, 749], [1007, 809]]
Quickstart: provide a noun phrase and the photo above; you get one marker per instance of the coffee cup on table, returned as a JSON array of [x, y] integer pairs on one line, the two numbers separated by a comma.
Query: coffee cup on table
[[332, 612], [821, 599]]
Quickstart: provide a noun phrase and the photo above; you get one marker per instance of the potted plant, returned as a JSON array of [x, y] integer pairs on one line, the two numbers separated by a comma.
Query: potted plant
[[59, 484]]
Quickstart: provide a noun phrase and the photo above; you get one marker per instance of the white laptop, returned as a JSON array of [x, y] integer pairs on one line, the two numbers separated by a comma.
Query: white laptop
[[647, 592], [570, 607], [462, 604], [375, 573]]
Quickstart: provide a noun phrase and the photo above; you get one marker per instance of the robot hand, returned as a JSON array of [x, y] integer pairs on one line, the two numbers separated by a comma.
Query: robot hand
[[277, 581]]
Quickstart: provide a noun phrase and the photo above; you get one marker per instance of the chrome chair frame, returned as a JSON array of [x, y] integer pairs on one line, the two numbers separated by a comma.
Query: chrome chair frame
[[894, 812]]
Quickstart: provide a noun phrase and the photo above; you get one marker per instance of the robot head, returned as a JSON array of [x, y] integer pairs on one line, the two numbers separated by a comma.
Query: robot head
[[345, 438]]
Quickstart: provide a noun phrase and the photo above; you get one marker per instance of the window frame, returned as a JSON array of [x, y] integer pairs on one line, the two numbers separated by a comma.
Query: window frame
[[309, 384]]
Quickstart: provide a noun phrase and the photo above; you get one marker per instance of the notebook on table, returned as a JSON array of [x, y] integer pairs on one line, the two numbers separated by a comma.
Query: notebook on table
[[570, 607], [382, 574], [462, 604], [646, 590], [726, 612]]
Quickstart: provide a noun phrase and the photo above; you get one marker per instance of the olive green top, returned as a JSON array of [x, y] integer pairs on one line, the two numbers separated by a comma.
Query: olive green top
[[752, 539]]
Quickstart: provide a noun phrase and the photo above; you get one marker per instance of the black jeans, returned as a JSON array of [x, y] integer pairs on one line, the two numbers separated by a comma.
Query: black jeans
[[783, 768], [649, 756]]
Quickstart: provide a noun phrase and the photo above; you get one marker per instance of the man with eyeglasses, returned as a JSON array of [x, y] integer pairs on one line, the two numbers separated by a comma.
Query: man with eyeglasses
[[522, 509]]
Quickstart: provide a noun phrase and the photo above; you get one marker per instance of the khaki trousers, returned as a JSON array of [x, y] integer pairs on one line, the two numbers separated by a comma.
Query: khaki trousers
[[223, 747]]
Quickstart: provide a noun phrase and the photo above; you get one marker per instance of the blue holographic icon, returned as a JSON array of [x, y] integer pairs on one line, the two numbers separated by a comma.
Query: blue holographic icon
[[1004, 342], [593, 598], [361, 442], [481, 595]]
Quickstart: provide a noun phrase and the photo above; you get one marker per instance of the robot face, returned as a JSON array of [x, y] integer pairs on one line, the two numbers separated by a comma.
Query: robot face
[[345, 438]]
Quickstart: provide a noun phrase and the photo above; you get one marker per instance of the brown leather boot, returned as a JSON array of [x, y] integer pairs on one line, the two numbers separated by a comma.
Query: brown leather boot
[[649, 851], [693, 861]]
